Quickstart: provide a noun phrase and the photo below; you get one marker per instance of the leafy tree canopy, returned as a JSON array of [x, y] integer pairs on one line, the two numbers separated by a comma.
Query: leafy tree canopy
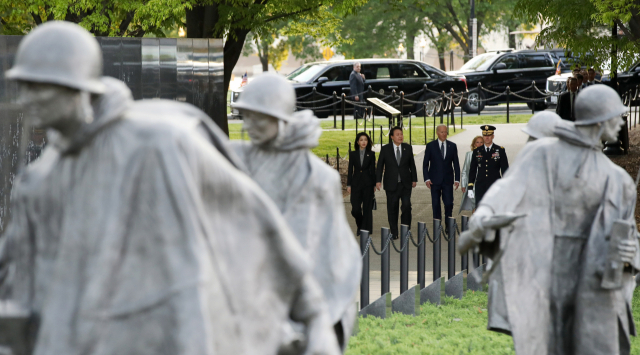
[[583, 27]]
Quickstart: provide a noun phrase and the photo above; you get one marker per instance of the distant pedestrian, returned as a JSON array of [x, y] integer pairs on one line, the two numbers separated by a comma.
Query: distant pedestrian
[[566, 100], [591, 80], [468, 203], [356, 84], [491, 163], [400, 176], [441, 171], [361, 182], [581, 81]]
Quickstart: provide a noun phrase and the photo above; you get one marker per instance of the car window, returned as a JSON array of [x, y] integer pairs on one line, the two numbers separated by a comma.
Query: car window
[[306, 72], [480, 62], [335, 74], [412, 71], [511, 61], [433, 72], [535, 60], [377, 71]]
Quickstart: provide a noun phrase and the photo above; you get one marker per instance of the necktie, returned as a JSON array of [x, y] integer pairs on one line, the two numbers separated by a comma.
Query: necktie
[[442, 149], [398, 155]]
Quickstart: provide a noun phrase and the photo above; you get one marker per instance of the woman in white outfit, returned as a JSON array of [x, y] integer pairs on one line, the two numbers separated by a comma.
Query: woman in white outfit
[[468, 204]]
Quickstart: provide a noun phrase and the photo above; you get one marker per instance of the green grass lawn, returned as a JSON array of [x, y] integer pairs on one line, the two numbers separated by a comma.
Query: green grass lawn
[[492, 119], [455, 327]]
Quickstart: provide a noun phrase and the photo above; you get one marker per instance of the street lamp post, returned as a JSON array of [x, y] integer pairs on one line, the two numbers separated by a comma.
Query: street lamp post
[[423, 44]]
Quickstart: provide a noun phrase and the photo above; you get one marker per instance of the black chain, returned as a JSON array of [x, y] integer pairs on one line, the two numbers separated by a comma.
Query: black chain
[[394, 244], [413, 241], [444, 234]]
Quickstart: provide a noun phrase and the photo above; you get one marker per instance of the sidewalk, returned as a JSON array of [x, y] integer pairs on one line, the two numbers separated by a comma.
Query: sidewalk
[[509, 136]]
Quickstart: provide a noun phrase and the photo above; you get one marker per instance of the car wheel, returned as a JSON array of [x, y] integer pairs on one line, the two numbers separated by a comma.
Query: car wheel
[[474, 102]]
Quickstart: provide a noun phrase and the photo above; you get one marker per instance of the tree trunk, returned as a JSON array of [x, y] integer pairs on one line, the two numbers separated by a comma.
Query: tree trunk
[[411, 39], [201, 21], [232, 51], [441, 58], [512, 38], [264, 56]]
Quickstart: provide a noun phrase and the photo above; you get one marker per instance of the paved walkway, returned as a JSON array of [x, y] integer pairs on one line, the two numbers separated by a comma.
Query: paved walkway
[[508, 135]]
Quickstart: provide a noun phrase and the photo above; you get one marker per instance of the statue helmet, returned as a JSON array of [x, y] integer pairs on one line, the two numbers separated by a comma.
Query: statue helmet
[[60, 53], [596, 104], [542, 125], [270, 94]]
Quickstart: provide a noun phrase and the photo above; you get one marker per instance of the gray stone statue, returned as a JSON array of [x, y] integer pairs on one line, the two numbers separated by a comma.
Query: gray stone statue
[[543, 125], [568, 264], [306, 190], [134, 233]]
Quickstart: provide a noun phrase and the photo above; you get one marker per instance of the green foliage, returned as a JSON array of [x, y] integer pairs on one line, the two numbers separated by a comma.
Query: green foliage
[[584, 28], [455, 327]]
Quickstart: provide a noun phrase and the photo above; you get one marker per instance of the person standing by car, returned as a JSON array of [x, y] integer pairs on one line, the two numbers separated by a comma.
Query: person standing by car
[[441, 171], [566, 101], [361, 182], [468, 203], [591, 77], [400, 176], [581, 80], [491, 163], [356, 83]]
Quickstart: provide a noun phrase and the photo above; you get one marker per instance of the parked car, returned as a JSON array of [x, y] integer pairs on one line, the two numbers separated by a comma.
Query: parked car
[[497, 70], [627, 80], [383, 76]]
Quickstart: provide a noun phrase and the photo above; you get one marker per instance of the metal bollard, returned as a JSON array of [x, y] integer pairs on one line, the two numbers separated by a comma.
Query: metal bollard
[[464, 259], [364, 283], [422, 229], [404, 258], [436, 249], [385, 264], [508, 94], [451, 260], [343, 108]]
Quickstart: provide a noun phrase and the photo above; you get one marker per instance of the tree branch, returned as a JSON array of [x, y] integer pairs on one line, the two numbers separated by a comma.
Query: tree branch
[[36, 18], [122, 29], [455, 18], [625, 30], [277, 17], [457, 37]]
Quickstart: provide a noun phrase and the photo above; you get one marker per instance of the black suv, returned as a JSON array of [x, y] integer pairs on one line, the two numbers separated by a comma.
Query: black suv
[[383, 76], [627, 80], [497, 70]]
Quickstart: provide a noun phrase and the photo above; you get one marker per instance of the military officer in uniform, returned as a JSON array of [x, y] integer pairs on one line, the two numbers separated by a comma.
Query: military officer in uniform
[[489, 163]]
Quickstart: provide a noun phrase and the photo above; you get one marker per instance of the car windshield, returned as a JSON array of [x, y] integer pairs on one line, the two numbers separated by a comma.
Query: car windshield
[[305, 72], [481, 62]]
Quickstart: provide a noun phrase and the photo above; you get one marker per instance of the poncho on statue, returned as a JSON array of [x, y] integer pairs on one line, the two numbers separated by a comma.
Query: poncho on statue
[[571, 194], [140, 237], [308, 193]]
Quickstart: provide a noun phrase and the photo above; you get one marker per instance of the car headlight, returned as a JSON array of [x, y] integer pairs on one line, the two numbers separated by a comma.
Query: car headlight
[[235, 96]]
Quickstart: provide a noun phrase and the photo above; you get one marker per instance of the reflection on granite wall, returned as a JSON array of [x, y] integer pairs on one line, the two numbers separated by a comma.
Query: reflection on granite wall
[[182, 69]]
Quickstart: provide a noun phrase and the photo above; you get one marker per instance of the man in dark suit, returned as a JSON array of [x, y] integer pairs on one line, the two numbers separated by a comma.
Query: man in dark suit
[[441, 171], [356, 83], [566, 101], [490, 163], [400, 176]]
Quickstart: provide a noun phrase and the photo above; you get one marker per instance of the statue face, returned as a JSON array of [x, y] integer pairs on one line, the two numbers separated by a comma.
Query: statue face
[[611, 128], [261, 128], [49, 105]]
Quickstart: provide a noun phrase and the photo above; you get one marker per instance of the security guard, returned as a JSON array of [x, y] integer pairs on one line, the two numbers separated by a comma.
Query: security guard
[[489, 164]]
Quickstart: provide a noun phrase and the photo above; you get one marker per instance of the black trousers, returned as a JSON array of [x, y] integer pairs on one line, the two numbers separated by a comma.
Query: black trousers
[[362, 207], [446, 191], [402, 192]]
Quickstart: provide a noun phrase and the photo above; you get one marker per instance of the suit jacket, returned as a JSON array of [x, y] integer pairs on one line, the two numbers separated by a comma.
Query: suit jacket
[[441, 170], [361, 175], [563, 109], [357, 84], [387, 162]]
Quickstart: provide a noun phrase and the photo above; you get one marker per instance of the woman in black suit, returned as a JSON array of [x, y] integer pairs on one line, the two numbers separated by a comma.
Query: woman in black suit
[[361, 182]]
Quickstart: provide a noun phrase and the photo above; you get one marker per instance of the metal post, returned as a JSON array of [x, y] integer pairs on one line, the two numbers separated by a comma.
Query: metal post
[[402, 107], [436, 249], [343, 103], [409, 128], [434, 123], [355, 117], [425, 123], [364, 283], [479, 91], [327, 158], [384, 262], [508, 93], [335, 114], [451, 260], [533, 93], [442, 108], [464, 259], [350, 148], [380, 136], [453, 111], [461, 115], [404, 258], [373, 136], [422, 229], [338, 159], [366, 111]]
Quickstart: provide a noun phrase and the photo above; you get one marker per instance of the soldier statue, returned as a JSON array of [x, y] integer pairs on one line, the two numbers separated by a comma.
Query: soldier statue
[[306, 190], [489, 163], [135, 232], [568, 258]]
